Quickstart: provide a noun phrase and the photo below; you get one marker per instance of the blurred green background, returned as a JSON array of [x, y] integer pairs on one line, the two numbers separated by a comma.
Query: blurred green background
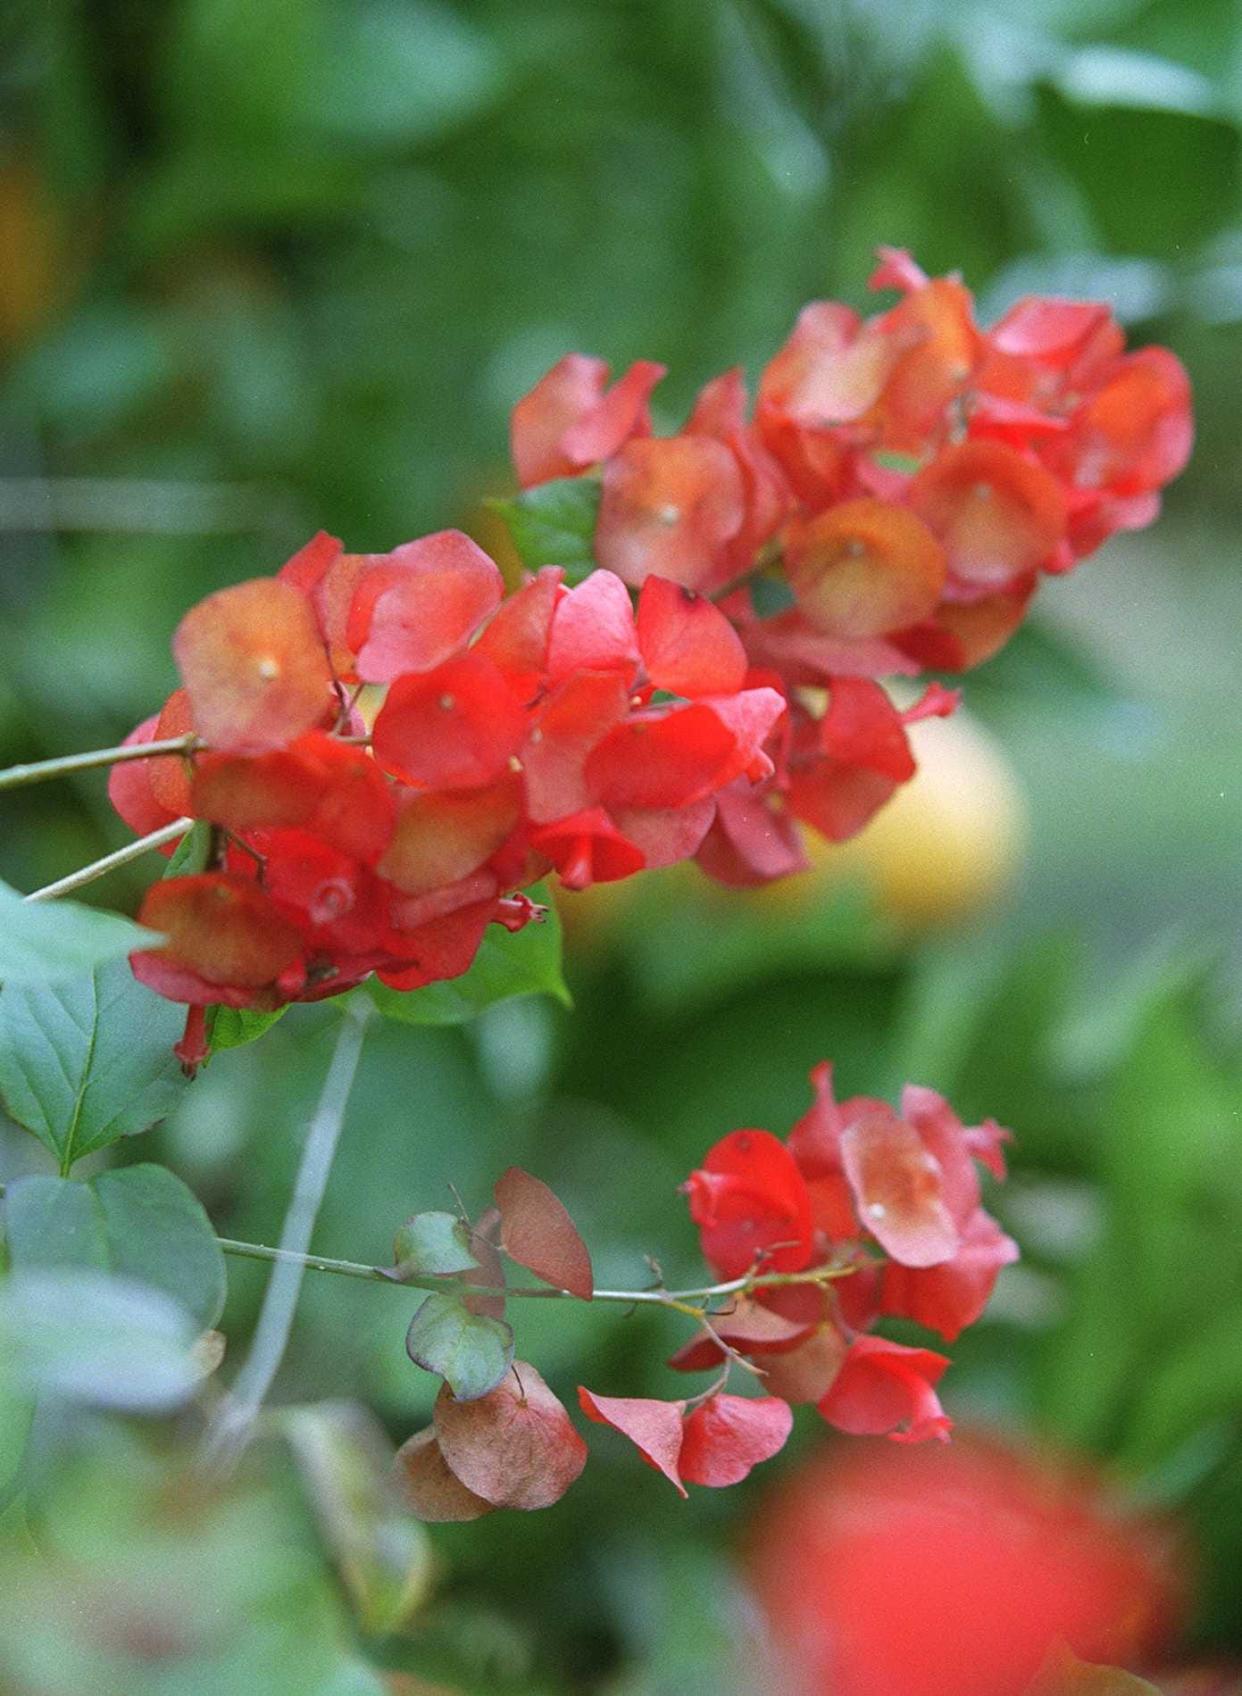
[[266, 267]]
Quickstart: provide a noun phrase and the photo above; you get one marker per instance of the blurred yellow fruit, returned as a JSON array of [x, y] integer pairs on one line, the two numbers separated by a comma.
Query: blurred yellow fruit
[[946, 845]]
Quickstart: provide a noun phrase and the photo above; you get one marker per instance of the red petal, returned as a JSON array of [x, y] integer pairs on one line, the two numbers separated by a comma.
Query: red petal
[[305, 570], [667, 760], [587, 848], [254, 666], [454, 728], [421, 606], [750, 1328], [129, 785], [169, 774], [1046, 328], [666, 835], [619, 414], [336, 792], [575, 716], [807, 1373], [885, 1389], [221, 928], [569, 391], [654, 1427], [516, 639], [439, 949], [898, 1189], [568, 422], [897, 270], [752, 841], [515, 1446], [750, 1203], [593, 629], [999, 515], [537, 1232], [441, 838], [949, 1297], [728, 1435], [687, 644]]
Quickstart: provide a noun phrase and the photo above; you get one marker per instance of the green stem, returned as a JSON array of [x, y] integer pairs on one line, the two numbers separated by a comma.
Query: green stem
[[629, 1298], [109, 862], [64, 765]]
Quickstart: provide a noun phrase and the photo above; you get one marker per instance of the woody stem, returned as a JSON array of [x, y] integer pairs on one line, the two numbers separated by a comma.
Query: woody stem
[[678, 1299]]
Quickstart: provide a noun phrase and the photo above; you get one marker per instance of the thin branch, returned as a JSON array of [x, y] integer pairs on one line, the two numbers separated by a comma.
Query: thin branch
[[231, 1428], [677, 1299], [64, 765], [109, 862]]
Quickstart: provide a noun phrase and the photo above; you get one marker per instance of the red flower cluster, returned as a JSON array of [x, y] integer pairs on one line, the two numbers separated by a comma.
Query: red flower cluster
[[557, 730], [911, 476], [854, 1177]]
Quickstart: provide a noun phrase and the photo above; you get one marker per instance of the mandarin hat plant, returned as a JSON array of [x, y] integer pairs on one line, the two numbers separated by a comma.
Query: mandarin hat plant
[[380, 775]]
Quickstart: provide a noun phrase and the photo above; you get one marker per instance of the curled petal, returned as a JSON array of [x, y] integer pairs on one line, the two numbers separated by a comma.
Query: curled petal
[[886, 1389], [864, 569], [654, 1427], [726, 1436], [999, 516]]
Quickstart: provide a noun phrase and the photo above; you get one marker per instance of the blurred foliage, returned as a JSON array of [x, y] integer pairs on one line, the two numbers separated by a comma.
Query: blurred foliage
[[270, 267]]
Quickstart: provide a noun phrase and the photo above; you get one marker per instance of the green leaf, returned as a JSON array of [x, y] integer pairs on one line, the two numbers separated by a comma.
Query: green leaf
[[48, 941], [769, 596], [193, 853], [234, 1027], [554, 524], [433, 1242], [140, 1221], [468, 1350], [382, 1553], [87, 1336], [526, 962], [89, 1059]]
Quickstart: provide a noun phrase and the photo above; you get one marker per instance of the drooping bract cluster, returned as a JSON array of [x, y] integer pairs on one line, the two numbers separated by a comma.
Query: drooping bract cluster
[[903, 484], [559, 730], [890, 1196], [865, 1212]]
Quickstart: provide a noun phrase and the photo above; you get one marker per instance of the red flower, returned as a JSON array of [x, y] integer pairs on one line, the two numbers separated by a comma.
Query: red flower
[[751, 1205], [571, 419], [886, 1390]]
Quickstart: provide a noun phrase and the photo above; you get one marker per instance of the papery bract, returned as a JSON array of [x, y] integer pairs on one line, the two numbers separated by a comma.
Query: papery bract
[[886, 1389], [253, 665]]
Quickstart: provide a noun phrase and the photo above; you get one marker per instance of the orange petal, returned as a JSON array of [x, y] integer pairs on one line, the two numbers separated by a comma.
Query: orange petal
[[864, 568], [1000, 516], [254, 666]]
